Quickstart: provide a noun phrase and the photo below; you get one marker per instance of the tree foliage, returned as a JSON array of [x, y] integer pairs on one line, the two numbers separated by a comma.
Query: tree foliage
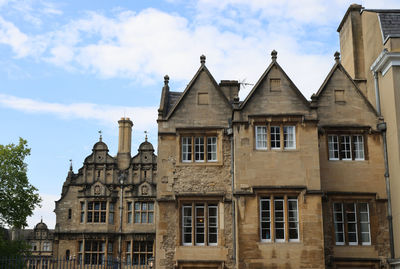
[[18, 198]]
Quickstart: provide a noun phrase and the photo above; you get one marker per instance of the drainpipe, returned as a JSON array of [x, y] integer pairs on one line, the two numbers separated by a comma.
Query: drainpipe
[[382, 128], [121, 181], [230, 131]]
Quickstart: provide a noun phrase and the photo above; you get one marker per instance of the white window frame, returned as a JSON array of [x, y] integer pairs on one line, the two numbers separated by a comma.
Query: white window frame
[[212, 148], [199, 149], [367, 223], [345, 147], [200, 225], [187, 226], [354, 223], [273, 135], [287, 135], [296, 220], [267, 221], [209, 226], [261, 137], [336, 222], [187, 149], [283, 221], [333, 147], [359, 153]]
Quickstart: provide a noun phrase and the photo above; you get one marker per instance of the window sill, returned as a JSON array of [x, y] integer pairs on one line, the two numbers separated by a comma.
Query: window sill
[[218, 163]]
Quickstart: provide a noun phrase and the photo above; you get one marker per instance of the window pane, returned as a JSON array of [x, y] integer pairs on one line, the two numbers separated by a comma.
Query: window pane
[[212, 224], [345, 147], [186, 149], [137, 206], [338, 223], [187, 224], [293, 219], [350, 209], [289, 136], [275, 137], [261, 137], [199, 149], [199, 235], [333, 145], [364, 223], [211, 148], [150, 217], [151, 206], [279, 219], [358, 147]]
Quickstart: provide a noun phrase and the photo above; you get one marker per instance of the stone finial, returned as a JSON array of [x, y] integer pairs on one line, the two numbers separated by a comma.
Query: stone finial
[[202, 59], [70, 165], [274, 55], [145, 138], [166, 79], [337, 57], [101, 137]]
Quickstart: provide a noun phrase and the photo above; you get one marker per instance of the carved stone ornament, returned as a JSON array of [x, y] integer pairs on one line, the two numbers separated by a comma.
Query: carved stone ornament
[[97, 190], [145, 190]]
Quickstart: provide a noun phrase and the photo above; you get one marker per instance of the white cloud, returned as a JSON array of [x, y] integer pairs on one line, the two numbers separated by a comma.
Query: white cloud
[[45, 212], [144, 118], [235, 35]]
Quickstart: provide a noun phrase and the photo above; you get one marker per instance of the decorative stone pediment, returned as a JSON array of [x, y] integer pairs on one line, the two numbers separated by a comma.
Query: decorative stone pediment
[[97, 189], [145, 189]]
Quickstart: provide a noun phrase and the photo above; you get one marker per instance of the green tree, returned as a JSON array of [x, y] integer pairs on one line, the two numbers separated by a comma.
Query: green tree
[[18, 198]]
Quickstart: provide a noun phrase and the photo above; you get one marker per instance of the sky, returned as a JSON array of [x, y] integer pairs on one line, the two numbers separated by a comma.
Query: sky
[[69, 69]]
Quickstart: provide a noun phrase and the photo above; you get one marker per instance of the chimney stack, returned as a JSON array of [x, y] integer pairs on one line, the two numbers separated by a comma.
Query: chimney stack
[[124, 143]]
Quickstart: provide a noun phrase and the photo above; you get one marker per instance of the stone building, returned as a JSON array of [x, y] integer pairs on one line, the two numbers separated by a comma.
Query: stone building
[[370, 47], [106, 210], [273, 181]]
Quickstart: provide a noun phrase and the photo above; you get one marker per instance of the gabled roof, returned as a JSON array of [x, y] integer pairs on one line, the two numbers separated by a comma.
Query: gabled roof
[[264, 75], [339, 66], [202, 68]]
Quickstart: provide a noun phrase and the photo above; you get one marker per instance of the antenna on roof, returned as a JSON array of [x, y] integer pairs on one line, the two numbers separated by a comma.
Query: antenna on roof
[[243, 83]]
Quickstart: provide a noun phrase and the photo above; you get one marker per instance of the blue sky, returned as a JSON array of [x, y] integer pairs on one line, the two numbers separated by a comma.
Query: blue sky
[[71, 68]]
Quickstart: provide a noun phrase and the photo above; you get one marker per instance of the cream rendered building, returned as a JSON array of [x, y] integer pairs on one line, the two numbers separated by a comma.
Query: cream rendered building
[[370, 46]]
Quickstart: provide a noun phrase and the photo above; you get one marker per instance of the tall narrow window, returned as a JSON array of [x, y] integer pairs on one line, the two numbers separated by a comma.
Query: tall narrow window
[[289, 137], [338, 220], [358, 147], [345, 147], [333, 145], [200, 223], [293, 219], [351, 216], [212, 225], [187, 224], [186, 149], [275, 137], [261, 137], [129, 216], [69, 213], [265, 211], [212, 149], [279, 219], [111, 214], [128, 253], [364, 224], [82, 212], [199, 149]]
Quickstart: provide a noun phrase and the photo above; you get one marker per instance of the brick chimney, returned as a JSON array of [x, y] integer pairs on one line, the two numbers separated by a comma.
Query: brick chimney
[[124, 143]]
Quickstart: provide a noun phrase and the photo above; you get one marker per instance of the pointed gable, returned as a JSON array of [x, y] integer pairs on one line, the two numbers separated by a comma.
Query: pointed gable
[[275, 94], [202, 103], [341, 103]]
